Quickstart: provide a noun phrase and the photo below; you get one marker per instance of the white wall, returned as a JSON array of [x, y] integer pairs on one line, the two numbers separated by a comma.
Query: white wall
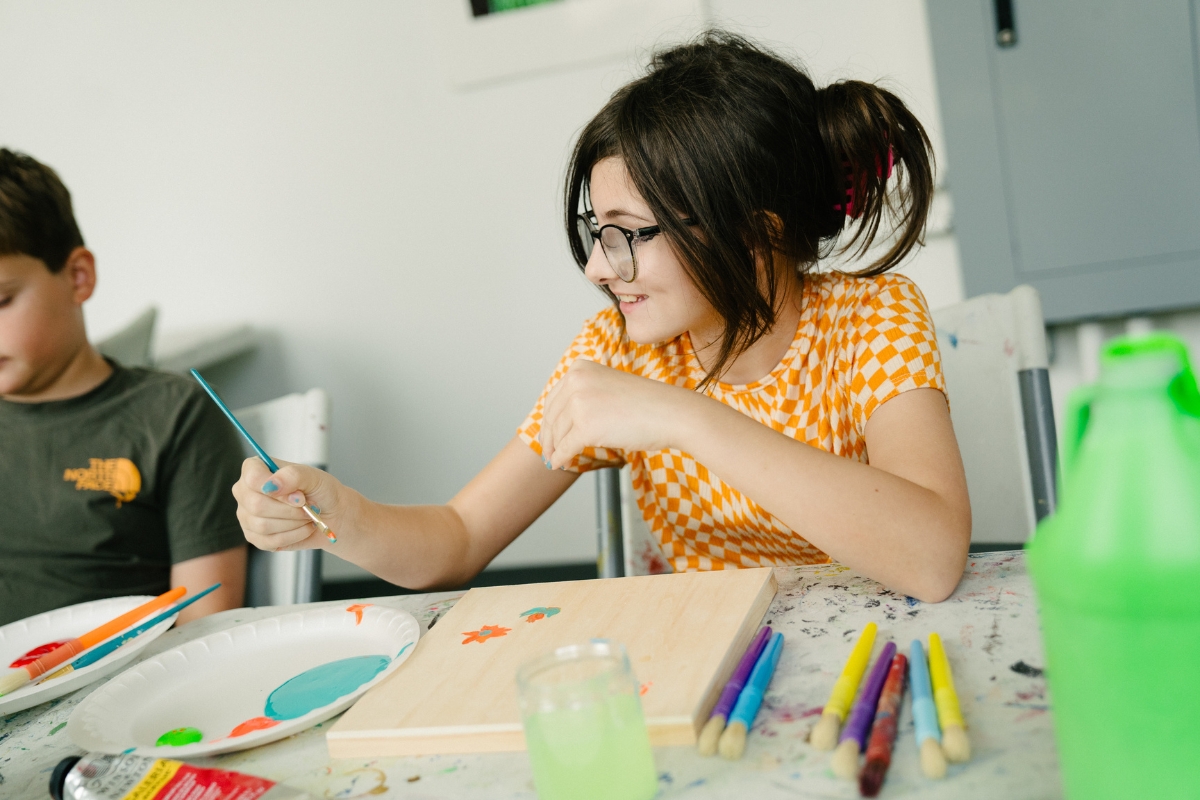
[[306, 167]]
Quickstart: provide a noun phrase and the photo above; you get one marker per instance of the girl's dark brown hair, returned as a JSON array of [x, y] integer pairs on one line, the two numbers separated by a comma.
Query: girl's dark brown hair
[[733, 136]]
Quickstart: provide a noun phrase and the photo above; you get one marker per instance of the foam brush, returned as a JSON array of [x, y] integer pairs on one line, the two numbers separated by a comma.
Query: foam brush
[[954, 734], [825, 733], [732, 743], [858, 725], [883, 730], [707, 745]]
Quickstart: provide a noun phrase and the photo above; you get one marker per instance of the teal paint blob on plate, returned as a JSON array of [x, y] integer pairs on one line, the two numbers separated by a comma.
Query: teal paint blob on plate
[[322, 685]]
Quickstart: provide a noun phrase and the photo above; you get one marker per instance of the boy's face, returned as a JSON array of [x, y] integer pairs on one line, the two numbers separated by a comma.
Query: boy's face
[[41, 319]]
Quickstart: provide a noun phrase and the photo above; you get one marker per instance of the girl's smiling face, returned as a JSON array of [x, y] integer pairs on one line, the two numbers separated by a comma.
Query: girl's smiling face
[[661, 302]]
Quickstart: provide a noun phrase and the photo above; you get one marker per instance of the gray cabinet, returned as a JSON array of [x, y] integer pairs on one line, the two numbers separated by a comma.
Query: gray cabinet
[[1074, 150]]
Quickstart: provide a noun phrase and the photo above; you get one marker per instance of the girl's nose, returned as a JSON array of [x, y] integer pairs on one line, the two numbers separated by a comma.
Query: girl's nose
[[598, 270]]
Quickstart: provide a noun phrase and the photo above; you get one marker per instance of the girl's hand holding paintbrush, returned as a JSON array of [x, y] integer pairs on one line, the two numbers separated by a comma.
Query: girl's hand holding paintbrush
[[271, 506]]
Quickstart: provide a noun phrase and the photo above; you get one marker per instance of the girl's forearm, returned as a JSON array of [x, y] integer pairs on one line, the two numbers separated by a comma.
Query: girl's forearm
[[417, 547], [888, 528], [443, 546]]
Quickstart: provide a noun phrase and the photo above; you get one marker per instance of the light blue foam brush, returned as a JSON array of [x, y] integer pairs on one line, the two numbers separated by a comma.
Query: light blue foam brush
[[925, 721]]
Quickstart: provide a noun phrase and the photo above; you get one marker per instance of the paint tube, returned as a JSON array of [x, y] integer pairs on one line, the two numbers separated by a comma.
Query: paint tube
[[128, 777]]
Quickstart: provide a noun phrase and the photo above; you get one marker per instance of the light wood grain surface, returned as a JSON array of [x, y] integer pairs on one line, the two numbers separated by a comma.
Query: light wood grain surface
[[457, 694]]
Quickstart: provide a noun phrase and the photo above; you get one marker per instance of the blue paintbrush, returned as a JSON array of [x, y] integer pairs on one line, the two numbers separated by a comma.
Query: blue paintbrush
[[100, 651], [266, 459]]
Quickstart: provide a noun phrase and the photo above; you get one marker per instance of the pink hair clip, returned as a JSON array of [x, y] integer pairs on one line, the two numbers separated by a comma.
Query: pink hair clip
[[849, 205]]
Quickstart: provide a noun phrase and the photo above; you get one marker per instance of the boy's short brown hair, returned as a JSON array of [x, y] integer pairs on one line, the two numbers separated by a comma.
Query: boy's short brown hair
[[36, 218]]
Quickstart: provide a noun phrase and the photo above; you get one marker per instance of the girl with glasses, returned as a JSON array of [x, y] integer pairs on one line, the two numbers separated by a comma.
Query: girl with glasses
[[774, 411]]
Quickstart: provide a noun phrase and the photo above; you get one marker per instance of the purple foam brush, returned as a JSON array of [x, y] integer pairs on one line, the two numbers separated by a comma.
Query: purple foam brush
[[858, 725], [707, 744]]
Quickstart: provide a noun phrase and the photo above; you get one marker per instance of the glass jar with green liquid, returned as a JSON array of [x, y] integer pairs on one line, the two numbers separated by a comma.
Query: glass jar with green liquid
[[584, 727], [1117, 573]]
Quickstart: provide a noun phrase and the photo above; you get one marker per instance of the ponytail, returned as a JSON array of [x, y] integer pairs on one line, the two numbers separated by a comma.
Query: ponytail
[[865, 130]]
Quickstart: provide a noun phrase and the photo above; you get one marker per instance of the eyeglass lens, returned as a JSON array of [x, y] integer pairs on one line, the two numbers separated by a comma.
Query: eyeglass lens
[[617, 248], [620, 253]]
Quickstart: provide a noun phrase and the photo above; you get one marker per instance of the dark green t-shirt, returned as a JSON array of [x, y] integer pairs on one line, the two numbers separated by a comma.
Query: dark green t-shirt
[[100, 494]]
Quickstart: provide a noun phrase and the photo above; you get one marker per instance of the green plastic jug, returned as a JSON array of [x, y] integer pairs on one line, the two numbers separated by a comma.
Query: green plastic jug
[[1117, 573]]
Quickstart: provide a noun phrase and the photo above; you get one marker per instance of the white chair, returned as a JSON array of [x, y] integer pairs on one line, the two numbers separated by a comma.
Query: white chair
[[997, 378], [291, 428]]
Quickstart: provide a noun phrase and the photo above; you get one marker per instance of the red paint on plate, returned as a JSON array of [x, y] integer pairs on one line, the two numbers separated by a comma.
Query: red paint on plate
[[36, 653]]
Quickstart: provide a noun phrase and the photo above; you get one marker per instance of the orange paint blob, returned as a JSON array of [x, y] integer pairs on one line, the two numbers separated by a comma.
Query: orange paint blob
[[252, 725], [485, 633], [357, 611]]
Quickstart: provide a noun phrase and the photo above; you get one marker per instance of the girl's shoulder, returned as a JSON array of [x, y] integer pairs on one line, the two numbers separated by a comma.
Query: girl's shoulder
[[845, 290], [851, 300]]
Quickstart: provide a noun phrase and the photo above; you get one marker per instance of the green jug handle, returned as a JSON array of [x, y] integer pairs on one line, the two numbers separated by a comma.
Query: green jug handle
[[1183, 390], [1075, 422]]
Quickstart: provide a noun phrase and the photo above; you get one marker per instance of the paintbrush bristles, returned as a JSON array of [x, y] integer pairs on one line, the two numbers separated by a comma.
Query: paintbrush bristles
[[733, 741], [13, 680], [871, 779], [845, 760], [955, 743], [933, 761], [707, 745], [825, 733]]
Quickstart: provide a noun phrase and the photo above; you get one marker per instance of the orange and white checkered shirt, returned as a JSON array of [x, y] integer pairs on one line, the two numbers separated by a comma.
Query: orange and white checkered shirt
[[860, 342]]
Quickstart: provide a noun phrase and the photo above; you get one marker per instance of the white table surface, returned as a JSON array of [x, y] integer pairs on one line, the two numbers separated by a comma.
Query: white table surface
[[989, 625]]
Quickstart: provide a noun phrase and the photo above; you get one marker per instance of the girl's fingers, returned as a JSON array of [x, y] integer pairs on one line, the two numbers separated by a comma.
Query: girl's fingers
[[295, 539], [571, 440], [254, 503], [564, 448]]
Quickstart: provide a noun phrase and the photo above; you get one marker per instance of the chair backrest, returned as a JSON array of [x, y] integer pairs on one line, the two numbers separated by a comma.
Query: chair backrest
[[994, 358], [996, 366], [291, 428], [131, 345]]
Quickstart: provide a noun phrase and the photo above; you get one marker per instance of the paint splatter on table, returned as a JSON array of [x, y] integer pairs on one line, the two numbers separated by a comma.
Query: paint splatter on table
[[989, 628]]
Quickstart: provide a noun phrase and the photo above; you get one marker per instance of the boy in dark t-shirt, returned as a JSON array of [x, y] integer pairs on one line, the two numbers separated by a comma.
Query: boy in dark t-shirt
[[113, 481]]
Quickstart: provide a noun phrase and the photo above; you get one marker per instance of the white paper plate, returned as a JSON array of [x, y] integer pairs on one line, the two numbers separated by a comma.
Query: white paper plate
[[20, 637], [287, 672]]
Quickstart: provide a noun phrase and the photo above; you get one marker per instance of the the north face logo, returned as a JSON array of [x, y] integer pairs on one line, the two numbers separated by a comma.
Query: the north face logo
[[117, 476]]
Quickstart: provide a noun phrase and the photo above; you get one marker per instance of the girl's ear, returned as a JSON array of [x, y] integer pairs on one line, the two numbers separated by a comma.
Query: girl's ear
[[80, 271]]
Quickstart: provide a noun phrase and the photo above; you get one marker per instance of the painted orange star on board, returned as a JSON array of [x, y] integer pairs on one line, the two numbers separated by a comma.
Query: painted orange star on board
[[485, 633]]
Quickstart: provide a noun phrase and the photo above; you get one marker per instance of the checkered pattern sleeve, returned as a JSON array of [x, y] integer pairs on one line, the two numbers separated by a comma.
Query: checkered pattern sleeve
[[600, 340], [895, 346]]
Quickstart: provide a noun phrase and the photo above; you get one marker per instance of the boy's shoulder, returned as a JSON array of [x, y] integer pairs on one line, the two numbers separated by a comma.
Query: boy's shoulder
[[142, 385]]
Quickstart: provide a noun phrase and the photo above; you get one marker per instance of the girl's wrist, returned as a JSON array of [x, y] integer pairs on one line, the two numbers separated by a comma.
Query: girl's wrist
[[692, 418]]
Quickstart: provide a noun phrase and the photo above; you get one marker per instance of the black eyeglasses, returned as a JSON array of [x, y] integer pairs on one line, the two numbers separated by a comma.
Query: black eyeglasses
[[616, 242]]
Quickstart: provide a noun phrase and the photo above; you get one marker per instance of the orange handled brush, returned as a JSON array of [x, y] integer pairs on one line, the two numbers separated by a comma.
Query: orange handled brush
[[16, 678]]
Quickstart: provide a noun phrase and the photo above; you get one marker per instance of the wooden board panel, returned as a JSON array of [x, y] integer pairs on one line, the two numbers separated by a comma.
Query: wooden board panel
[[684, 633]]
